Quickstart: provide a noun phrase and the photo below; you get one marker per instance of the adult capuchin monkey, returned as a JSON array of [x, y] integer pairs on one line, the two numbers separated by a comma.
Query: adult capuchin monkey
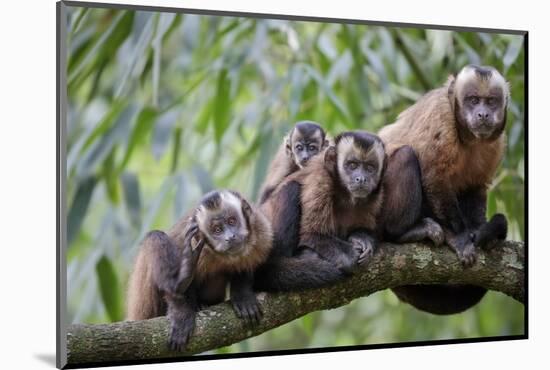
[[327, 216], [219, 243], [303, 142], [457, 131]]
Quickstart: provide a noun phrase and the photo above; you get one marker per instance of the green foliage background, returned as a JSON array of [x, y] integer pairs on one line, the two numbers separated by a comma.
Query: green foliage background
[[164, 107]]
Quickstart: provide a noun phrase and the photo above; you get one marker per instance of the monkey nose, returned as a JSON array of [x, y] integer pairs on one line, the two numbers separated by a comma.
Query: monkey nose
[[483, 115], [360, 180], [230, 238]]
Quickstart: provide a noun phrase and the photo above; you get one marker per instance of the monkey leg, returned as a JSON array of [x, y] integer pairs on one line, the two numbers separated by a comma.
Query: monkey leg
[[286, 219], [403, 191], [333, 249], [243, 298], [473, 204], [425, 229], [495, 229], [404, 201]]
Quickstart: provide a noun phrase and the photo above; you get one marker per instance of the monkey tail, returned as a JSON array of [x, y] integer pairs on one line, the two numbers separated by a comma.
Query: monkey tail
[[301, 272], [440, 299]]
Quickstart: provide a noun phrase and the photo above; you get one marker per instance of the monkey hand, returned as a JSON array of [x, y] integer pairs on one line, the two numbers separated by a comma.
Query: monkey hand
[[364, 246], [346, 261], [181, 330], [193, 233], [463, 244], [246, 307]]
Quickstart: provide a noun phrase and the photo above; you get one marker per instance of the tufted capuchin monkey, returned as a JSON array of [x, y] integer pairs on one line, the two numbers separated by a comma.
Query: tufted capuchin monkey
[[457, 132], [327, 216], [219, 243], [303, 142]]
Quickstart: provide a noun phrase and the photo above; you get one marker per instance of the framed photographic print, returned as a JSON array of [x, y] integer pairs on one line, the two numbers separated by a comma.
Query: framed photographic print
[[234, 184]]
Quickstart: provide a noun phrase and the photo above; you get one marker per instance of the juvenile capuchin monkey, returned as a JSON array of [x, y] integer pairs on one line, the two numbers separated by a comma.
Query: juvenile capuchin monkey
[[303, 142], [220, 243], [327, 216], [457, 132]]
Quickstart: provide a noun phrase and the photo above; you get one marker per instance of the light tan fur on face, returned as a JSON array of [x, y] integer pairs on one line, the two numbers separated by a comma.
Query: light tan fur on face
[[467, 78], [347, 148]]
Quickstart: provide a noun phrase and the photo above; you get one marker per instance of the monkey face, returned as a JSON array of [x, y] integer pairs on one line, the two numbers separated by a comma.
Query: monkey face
[[305, 141], [221, 219], [480, 102], [303, 151], [360, 158], [227, 234]]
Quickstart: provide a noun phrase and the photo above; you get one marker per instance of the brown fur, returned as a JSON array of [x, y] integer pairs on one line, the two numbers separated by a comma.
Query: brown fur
[[212, 263], [325, 209], [282, 165], [145, 299], [446, 161]]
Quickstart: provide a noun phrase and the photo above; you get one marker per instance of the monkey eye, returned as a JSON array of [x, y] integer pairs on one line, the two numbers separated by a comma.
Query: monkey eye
[[474, 100], [217, 230], [352, 165], [370, 168], [491, 101], [299, 147], [312, 148], [231, 221]]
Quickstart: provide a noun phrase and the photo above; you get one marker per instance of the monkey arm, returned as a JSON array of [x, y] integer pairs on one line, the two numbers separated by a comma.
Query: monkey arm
[[182, 311], [243, 298], [190, 256]]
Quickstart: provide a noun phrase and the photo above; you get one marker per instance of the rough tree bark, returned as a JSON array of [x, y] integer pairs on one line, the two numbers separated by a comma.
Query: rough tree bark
[[501, 269]]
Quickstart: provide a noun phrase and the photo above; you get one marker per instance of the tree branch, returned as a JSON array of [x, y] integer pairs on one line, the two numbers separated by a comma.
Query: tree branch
[[500, 269]]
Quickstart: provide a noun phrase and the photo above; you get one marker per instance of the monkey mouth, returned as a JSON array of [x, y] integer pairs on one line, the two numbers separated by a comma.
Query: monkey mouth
[[482, 130], [359, 191], [235, 247], [302, 164]]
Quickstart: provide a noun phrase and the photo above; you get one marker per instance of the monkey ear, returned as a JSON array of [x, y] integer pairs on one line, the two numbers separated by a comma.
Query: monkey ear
[[330, 158], [247, 209], [325, 143], [288, 149], [451, 93]]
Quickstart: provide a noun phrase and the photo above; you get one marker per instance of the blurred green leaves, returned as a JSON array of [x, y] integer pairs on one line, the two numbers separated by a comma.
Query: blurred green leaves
[[110, 289], [164, 107]]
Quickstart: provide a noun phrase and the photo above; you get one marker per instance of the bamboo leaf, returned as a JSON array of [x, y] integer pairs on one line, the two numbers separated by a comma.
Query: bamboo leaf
[[144, 124], [163, 128], [109, 288], [512, 52], [100, 149], [203, 177], [79, 207], [327, 90], [132, 197], [222, 103]]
